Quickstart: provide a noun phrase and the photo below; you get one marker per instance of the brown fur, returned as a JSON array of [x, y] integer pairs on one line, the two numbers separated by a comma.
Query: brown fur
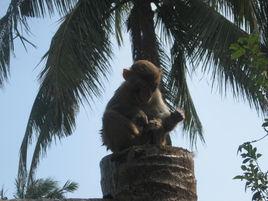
[[137, 114]]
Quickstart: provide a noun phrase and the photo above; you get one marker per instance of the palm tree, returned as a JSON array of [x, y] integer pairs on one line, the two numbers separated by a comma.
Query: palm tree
[[44, 188], [195, 31]]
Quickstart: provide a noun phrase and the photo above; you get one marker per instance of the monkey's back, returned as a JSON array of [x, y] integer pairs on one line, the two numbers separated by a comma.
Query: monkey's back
[[119, 131]]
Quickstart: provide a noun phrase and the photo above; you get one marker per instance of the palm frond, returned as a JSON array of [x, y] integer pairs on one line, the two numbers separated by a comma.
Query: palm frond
[[207, 37], [21, 186], [214, 35], [174, 33], [37, 8], [181, 96], [242, 12], [16, 19], [3, 194], [9, 30], [44, 188], [121, 9], [6, 46], [59, 193], [77, 58], [40, 188], [48, 188]]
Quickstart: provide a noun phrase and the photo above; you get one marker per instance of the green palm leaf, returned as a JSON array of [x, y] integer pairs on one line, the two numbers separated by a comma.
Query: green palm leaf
[[9, 26], [206, 37], [37, 8], [6, 46], [242, 12], [213, 36], [177, 83], [78, 57], [16, 19], [45, 188], [121, 9]]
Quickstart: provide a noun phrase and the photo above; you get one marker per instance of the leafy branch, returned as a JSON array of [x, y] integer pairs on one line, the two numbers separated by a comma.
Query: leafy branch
[[247, 50], [256, 179]]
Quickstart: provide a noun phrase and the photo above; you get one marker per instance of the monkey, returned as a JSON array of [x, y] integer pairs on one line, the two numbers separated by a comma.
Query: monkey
[[137, 114]]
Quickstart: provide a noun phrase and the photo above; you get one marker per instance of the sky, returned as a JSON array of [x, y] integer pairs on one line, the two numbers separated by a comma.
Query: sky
[[227, 124]]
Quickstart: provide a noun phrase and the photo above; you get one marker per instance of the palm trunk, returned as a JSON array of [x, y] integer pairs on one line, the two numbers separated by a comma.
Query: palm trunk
[[148, 173], [141, 26]]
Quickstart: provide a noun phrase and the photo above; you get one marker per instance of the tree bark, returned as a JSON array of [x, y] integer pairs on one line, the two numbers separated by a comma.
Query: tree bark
[[149, 173]]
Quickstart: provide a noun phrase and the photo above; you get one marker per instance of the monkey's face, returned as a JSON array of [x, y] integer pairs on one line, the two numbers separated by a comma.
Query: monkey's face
[[143, 78], [142, 91]]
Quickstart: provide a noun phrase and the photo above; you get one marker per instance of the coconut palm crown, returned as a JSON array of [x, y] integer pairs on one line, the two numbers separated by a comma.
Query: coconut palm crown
[[198, 34]]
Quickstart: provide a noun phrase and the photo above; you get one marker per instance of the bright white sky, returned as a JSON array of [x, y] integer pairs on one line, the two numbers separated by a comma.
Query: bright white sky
[[227, 124]]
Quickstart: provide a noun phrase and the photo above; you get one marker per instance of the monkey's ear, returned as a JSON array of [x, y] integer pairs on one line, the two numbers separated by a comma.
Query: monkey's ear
[[126, 73]]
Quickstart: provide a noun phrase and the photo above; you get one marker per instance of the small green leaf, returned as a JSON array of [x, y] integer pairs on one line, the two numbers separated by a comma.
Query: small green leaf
[[239, 177], [243, 167], [265, 124], [238, 53], [244, 155], [246, 160], [259, 155]]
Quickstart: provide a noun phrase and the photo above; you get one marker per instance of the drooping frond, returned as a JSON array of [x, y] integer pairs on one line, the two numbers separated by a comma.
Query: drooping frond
[[213, 37], [120, 9], [177, 83], [37, 8], [207, 37], [174, 33], [14, 23], [77, 58], [242, 12], [9, 30], [6, 46]]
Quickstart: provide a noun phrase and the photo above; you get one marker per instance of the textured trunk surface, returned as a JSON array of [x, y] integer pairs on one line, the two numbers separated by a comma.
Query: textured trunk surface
[[146, 173]]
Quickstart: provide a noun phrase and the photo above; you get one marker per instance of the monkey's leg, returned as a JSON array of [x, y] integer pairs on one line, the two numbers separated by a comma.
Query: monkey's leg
[[118, 131], [154, 133], [140, 120]]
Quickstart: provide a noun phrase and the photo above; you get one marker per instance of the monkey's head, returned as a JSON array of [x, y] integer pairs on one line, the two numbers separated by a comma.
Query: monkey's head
[[144, 78]]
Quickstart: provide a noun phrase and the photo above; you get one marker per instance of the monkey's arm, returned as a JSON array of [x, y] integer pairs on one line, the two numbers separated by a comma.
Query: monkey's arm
[[172, 120]]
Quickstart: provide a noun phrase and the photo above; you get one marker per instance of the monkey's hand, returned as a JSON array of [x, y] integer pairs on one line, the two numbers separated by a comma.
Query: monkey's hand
[[140, 120], [154, 133], [171, 121], [178, 115]]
